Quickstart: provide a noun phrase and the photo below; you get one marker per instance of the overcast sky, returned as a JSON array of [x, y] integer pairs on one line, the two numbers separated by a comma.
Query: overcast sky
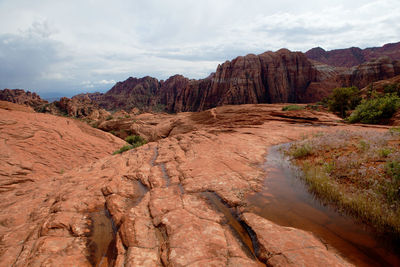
[[86, 45]]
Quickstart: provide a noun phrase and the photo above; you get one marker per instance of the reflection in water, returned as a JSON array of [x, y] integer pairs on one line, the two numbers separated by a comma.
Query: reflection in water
[[101, 241], [285, 200], [231, 219]]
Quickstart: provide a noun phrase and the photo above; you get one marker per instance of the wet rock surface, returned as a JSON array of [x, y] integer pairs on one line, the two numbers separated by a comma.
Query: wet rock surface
[[154, 196]]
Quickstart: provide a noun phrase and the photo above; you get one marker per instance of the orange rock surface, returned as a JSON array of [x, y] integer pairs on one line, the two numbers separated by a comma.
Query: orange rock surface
[[159, 196]]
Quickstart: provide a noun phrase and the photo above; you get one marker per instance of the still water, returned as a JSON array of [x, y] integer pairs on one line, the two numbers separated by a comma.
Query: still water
[[286, 201]]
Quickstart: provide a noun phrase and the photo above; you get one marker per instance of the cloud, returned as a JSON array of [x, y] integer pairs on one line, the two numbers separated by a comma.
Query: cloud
[[42, 48], [106, 82]]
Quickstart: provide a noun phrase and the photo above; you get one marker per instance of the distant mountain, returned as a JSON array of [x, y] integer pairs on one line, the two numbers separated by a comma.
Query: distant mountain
[[353, 56], [271, 77]]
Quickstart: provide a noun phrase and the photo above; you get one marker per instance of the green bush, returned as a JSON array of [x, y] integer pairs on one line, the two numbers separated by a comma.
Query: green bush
[[344, 99], [123, 149], [292, 107], [135, 140], [109, 117], [376, 109], [392, 88], [393, 170]]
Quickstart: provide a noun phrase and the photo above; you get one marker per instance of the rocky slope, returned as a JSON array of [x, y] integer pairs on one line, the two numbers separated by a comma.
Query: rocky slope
[[19, 96], [176, 201], [353, 56], [35, 149]]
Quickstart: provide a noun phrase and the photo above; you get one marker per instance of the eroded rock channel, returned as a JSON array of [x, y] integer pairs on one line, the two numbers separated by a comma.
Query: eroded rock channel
[[285, 200], [177, 201]]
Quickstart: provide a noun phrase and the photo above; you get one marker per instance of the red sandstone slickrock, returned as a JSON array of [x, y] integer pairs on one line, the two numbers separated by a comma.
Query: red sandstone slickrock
[[57, 173]]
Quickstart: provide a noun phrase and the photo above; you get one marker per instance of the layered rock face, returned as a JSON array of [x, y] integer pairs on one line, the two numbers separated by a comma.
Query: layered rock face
[[19, 96], [353, 56], [271, 77], [132, 93]]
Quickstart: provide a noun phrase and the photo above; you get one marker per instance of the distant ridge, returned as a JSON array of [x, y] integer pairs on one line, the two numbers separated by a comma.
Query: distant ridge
[[353, 56]]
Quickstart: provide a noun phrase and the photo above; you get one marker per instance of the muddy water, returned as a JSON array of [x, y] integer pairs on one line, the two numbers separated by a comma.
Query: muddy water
[[101, 241], [285, 200], [232, 221]]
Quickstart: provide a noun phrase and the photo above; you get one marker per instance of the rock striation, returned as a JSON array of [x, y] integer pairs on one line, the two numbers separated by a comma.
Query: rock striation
[[272, 77], [353, 56], [170, 202]]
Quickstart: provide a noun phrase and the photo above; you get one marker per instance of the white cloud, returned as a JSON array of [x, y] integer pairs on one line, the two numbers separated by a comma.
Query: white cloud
[[106, 82], [55, 45]]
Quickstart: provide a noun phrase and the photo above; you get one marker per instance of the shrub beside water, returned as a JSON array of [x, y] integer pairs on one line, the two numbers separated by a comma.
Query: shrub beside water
[[357, 172]]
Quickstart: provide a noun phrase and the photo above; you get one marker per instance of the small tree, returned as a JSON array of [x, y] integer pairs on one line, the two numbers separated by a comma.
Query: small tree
[[344, 99]]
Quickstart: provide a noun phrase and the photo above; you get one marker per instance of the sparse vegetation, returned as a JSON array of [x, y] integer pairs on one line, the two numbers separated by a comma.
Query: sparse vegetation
[[109, 117], [133, 141], [292, 107], [375, 110], [343, 100], [301, 151], [392, 88], [123, 149], [357, 172]]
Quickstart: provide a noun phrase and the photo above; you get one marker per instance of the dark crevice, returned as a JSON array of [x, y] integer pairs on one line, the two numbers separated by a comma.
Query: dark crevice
[[232, 218]]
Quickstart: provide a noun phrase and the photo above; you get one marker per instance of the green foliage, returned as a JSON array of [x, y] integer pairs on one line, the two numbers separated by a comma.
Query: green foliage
[[135, 140], [109, 117], [393, 170], [301, 151], [394, 131], [392, 88], [292, 107], [344, 99], [123, 149], [376, 109], [384, 152], [363, 145]]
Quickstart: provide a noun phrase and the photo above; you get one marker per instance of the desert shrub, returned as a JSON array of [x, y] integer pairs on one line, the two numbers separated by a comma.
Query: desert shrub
[[292, 107], [301, 151], [392, 88], [123, 149], [109, 117], [135, 140], [376, 109], [394, 131], [384, 152], [344, 99], [393, 170]]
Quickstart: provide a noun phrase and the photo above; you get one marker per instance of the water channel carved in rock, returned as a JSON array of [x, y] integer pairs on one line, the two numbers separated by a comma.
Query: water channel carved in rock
[[286, 201]]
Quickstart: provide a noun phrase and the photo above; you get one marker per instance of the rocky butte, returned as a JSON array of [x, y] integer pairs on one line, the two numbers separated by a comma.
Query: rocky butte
[[271, 77]]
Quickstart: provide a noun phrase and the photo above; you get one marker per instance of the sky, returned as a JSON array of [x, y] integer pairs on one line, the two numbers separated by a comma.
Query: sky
[[68, 47]]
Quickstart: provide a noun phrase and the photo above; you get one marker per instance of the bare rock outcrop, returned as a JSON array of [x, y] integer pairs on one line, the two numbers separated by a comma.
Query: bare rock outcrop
[[22, 97], [167, 203], [350, 57], [272, 77]]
